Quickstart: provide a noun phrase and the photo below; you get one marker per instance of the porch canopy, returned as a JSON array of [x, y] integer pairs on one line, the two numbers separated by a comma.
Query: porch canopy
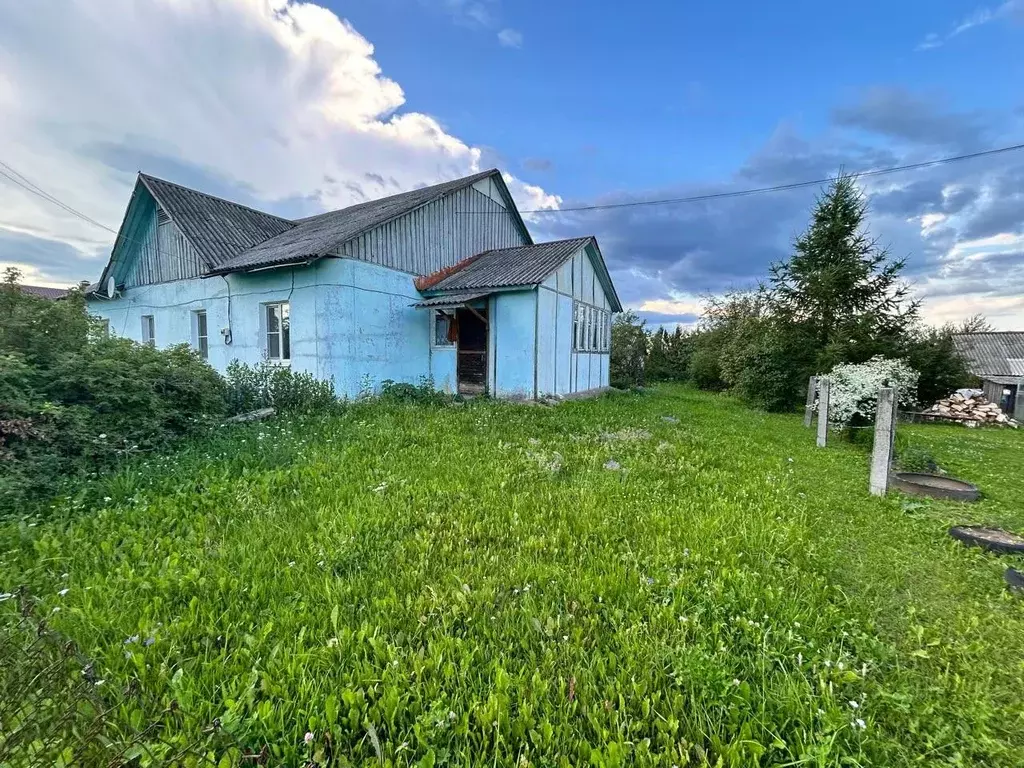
[[451, 300]]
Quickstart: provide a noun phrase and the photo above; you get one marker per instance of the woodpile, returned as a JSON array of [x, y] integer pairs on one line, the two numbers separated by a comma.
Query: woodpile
[[971, 408]]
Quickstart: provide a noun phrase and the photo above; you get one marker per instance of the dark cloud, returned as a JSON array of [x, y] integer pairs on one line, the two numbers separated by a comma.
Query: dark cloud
[[717, 245], [56, 261], [896, 113]]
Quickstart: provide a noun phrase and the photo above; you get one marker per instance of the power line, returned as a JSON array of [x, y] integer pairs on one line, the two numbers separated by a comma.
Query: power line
[[778, 187]]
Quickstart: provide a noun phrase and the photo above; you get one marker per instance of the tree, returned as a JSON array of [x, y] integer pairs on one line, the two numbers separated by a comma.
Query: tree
[[840, 291], [658, 367], [629, 351]]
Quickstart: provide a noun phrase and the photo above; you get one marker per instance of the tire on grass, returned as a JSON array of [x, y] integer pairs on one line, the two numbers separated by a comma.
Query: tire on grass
[[992, 539]]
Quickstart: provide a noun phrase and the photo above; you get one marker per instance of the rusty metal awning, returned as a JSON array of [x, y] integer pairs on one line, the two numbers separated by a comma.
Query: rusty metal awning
[[450, 300]]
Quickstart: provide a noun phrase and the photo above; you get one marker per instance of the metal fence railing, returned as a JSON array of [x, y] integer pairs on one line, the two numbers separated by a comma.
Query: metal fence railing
[[56, 709]]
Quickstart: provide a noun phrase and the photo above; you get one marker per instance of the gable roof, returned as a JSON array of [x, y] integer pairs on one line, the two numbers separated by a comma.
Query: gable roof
[[314, 237], [218, 229], [524, 265], [230, 237], [993, 354]]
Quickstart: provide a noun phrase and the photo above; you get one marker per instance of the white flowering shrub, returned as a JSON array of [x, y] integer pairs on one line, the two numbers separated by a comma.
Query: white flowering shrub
[[854, 388]]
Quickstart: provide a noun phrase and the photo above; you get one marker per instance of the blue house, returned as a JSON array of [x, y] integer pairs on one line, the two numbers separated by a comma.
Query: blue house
[[442, 283]]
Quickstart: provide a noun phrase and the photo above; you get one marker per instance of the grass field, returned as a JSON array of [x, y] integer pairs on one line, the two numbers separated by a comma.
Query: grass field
[[419, 585]]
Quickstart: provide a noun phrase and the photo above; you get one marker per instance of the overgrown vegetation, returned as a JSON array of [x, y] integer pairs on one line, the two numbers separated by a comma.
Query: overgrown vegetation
[[72, 401], [593, 584], [839, 298], [271, 385]]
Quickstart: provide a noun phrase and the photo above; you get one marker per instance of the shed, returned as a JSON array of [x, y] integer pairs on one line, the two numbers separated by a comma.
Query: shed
[[997, 358]]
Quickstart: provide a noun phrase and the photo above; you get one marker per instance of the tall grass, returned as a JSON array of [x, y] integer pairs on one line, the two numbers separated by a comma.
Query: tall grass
[[512, 585]]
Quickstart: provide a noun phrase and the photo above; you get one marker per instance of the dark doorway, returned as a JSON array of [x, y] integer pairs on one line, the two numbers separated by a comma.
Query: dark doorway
[[472, 351], [1008, 402]]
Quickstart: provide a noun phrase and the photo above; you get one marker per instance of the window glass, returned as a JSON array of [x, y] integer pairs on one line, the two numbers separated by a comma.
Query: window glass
[[278, 326], [202, 340], [148, 330], [443, 335]]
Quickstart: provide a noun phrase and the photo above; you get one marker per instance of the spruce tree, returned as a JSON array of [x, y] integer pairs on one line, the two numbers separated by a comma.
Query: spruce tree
[[840, 291]]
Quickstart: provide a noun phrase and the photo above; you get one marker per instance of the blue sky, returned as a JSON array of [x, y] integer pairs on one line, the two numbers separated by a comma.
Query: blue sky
[[662, 92], [298, 107]]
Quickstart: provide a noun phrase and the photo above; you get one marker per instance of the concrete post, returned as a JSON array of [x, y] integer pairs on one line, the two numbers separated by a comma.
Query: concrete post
[[824, 386], [812, 390], [885, 430]]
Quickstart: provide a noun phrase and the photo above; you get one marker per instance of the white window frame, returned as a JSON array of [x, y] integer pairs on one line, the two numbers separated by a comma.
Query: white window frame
[[200, 335], [149, 330], [266, 333], [435, 314]]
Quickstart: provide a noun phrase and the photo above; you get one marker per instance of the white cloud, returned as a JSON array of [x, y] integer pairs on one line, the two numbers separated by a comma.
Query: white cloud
[[511, 38], [980, 17], [281, 99]]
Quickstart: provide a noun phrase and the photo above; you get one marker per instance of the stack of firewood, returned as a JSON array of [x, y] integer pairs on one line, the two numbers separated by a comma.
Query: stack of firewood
[[970, 407]]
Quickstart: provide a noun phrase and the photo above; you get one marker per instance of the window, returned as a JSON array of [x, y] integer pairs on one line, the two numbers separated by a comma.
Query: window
[[443, 333], [277, 326], [200, 335], [148, 330], [592, 329]]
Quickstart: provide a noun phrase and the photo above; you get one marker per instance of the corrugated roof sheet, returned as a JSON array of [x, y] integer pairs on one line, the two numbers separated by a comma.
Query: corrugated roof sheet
[[508, 267], [450, 300], [217, 228], [43, 292], [315, 236], [992, 354]]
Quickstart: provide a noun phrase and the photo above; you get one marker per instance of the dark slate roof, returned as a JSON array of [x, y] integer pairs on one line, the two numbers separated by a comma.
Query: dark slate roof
[[315, 236], [993, 354], [450, 300], [217, 228], [509, 267], [44, 292], [524, 265]]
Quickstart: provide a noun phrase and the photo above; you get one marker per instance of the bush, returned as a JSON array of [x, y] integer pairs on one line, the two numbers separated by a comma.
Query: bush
[[853, 391], [268, 385], [423, 393], [73, 401]]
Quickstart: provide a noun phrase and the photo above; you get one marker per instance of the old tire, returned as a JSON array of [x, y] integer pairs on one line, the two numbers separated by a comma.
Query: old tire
[[992, 539]]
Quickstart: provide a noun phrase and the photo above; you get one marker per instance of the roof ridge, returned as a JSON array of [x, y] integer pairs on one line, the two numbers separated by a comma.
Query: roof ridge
[[475, 176], [217, 197]]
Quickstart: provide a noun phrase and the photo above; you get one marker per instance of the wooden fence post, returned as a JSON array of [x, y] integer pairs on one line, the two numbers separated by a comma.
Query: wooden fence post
[[824, 386], [812, 390], [885, 430]]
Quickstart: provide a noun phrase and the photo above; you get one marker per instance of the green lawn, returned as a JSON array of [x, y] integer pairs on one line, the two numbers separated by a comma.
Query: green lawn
[[468, 586]]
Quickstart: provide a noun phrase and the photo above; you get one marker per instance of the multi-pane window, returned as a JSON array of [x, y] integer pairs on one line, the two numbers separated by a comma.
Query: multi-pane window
[[591, 330], [443, 332], [277, 327], [148, 330], [200, 335]]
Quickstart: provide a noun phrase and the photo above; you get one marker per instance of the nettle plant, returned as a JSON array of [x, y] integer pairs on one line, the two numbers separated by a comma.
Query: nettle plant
[[853, 394]]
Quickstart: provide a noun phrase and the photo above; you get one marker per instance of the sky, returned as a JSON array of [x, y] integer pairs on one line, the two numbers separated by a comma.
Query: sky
[[300, 107]]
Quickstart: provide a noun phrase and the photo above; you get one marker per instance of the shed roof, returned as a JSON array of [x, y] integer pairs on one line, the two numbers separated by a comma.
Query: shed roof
[[993, 354], [524, 265], [44, 292], [218, 229]]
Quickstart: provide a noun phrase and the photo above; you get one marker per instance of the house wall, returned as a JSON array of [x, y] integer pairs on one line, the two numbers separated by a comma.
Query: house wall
[[512, 344], [438, 235], [350, 321], [560, 369]]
